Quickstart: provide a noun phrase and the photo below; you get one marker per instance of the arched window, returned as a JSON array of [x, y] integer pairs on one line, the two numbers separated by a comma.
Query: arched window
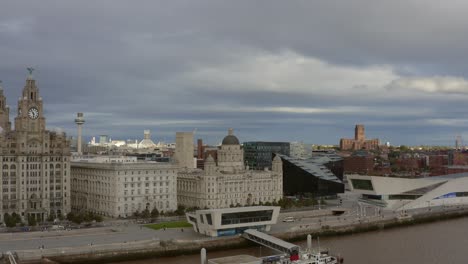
[[5, 167], [13, 167]]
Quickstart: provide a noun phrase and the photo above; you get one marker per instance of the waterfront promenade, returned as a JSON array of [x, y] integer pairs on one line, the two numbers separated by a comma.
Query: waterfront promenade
[[132, 237]]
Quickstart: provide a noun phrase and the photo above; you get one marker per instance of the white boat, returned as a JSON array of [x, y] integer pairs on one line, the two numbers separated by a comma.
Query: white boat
[[321, 257]]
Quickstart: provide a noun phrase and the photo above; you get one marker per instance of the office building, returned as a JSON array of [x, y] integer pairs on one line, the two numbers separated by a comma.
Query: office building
[[315, 177], [120, 186], [35, 162], [184, 150], [258, 154]]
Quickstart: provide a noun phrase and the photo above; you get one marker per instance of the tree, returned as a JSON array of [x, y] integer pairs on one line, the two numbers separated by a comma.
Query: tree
[[51, 217], [180, 210], [9, 222], [136, 213], [32, 220], [404, 148], [154, 212], [145, 213], [98, 218]]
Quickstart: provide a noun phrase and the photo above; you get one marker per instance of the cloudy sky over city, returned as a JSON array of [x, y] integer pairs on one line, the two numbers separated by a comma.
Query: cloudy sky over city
[[273, 70]]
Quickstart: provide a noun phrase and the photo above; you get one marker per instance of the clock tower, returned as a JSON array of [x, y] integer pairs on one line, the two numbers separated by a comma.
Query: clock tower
[[30, 112], [35, 162], [5, 124]]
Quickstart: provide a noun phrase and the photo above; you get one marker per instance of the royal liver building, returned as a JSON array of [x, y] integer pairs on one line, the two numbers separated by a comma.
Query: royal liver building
[[35, 162]]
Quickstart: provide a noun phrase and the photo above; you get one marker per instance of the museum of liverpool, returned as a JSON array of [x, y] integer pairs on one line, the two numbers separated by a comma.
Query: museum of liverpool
[[403, 193], [232, 221]]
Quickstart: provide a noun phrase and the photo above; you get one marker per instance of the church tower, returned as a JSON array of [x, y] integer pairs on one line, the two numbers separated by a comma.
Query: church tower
[[5, 124]]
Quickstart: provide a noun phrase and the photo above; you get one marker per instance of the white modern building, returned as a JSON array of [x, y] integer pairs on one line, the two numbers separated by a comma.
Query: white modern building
[[403, 193], [229, 182], [119, 186], [232, 221]]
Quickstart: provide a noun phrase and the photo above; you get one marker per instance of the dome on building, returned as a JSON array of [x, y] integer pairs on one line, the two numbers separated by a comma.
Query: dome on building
[[277, 159], [230, 139]]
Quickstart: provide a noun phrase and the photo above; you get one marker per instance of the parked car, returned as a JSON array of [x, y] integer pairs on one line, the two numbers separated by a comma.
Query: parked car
[[289, 219]]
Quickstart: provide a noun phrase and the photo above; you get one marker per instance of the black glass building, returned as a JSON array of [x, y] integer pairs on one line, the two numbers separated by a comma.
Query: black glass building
[[258, 154], [318, 176]]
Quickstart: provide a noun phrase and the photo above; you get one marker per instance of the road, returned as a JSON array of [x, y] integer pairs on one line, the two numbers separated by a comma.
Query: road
[[122, 233]]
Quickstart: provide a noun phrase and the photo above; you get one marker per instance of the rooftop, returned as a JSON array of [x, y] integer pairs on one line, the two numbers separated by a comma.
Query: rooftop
[[315, 166], [239, 209]]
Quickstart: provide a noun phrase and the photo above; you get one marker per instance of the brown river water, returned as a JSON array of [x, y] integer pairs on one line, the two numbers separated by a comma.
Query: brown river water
[[435, 243]]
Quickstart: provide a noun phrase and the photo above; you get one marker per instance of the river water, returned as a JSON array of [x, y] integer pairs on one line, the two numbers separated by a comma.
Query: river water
[[434, 243]]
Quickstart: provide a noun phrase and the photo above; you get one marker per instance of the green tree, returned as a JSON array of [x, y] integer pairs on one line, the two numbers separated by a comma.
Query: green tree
[[136, 213], [154, 212], [180, 210], [145, 213], [32, 220], [51, 217], [9, 222], [404, 148]]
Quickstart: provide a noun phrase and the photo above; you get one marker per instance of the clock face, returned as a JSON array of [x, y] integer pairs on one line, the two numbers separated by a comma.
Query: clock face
[[33, 113]]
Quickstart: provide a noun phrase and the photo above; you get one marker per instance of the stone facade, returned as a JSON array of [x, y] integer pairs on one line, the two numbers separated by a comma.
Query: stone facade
[[359, 141], [184, 150], [120, 186], [35, 162], [229, 182]]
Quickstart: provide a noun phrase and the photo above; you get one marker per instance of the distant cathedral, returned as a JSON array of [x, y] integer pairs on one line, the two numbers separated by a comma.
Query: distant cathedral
[[35, 162], [359, 141]]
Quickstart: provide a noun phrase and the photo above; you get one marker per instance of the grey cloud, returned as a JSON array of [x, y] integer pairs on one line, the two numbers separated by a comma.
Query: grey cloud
[[436, 84], [130, 66]]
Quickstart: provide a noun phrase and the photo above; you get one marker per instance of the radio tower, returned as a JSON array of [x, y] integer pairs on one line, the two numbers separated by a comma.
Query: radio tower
[[79, 121]]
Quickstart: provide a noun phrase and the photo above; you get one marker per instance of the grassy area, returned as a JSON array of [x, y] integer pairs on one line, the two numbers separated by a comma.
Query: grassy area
[[179, 224]]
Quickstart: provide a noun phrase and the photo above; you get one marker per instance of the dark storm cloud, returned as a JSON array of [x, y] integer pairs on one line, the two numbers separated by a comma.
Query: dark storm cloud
[[273, 70]]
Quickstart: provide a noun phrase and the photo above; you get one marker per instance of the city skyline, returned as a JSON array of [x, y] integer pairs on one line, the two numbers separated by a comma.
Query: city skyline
[[274, 71]]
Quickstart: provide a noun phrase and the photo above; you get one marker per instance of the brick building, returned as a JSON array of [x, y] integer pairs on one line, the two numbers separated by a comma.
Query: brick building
[[359, 164], [359, 141]]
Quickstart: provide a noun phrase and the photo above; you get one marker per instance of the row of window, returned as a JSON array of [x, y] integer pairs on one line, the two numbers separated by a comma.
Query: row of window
[[132, 185], [147, 191]]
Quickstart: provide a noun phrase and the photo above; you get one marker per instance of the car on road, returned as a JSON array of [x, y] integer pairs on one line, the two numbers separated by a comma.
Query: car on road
[[289, 219]]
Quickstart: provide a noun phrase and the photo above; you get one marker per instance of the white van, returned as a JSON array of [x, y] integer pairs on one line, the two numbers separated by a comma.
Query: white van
[[289, 219]]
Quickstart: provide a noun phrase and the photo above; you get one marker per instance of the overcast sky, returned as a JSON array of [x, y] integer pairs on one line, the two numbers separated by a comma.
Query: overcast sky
[[273, 70]]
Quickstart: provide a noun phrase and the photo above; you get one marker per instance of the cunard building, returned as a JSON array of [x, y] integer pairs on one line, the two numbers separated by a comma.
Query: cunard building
[[35, 162]]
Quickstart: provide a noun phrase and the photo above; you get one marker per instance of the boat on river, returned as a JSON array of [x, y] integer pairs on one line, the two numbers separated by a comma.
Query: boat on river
[[290, 253]]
